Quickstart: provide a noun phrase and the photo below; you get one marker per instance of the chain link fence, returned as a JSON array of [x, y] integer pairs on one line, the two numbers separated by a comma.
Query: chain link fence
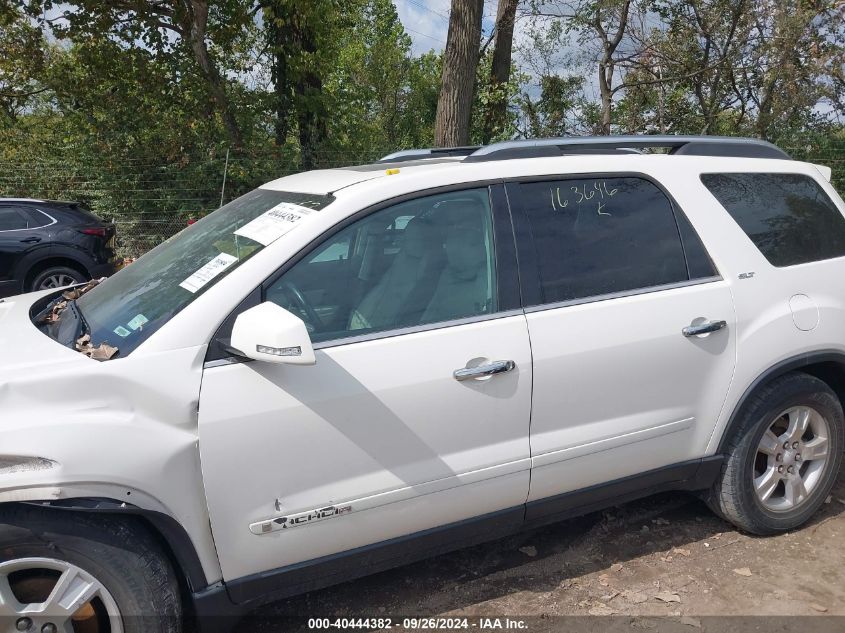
[[149, 201]]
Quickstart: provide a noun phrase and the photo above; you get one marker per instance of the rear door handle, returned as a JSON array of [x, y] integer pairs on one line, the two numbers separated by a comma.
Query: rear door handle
[[31, 240], [491, 369], [704, 328]]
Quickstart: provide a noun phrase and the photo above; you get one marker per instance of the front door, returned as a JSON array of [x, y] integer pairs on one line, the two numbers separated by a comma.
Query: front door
[[622, 385], [380, 438]]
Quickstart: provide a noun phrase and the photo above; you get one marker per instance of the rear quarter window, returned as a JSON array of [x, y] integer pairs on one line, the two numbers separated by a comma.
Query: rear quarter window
[[789, 217]]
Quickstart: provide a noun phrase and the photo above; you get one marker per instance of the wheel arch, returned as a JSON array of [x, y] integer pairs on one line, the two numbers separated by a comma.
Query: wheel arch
[[50, 261], [826, 365], [170, 534]]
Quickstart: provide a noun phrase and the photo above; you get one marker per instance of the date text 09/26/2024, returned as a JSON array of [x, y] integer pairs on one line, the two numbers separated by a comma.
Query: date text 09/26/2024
[[482, 624]]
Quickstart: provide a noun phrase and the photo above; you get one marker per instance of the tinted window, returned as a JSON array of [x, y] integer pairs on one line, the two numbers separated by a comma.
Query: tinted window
[[423, 261], [789, 217], [698, 261], [595, 236], [11, 219]]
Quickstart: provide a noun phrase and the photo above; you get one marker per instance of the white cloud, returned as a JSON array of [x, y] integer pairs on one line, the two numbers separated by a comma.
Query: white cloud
[[427, 21]]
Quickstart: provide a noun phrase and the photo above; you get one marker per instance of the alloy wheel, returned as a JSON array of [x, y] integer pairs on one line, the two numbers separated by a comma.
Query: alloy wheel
[[791, 458], [45, 595], [59, 280]]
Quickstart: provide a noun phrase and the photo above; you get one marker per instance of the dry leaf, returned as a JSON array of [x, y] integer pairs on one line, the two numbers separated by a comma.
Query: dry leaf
[[668, 596], [616, 567], [104, 351], [681, 551], [817, 607], [75, 293], [691, 621], [742, 571], [603, 580], [529, 550], [660, 521]]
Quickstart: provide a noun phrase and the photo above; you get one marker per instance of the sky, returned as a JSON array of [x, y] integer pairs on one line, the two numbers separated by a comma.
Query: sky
[[427, 21]]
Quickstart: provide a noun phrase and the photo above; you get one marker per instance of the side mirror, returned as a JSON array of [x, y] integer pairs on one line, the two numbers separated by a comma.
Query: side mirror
[[270, 333]]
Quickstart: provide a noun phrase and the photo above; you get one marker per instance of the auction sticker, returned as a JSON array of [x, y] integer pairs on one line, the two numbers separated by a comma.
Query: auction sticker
[[272, 224], [208, 272]]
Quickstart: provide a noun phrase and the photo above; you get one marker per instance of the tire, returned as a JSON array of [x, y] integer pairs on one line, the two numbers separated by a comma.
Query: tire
[[137, 589], [757, 466], [56, 277]]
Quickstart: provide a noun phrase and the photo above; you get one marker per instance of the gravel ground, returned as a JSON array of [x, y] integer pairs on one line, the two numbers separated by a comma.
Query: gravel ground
[[665, 561]]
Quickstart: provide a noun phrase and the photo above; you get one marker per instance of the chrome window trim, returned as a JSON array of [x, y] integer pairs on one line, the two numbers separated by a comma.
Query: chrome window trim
[[33, 228], [440, 325], [622, 293]]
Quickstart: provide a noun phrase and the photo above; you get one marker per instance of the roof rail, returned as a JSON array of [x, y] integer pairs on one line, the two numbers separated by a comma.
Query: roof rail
[[688, 145], [430, 152]]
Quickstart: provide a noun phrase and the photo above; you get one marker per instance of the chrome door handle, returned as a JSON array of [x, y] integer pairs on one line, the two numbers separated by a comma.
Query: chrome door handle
[[491, 369], [704, 328]]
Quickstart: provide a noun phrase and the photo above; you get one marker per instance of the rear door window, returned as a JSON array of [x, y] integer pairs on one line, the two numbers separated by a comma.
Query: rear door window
[[789, 217], [597, 236], [11, 219]]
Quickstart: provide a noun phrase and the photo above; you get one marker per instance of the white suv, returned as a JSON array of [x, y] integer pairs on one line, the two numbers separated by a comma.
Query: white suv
[[346, 370]]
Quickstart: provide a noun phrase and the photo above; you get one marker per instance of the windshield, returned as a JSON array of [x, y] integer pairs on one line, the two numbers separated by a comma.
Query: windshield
[[127, 308]]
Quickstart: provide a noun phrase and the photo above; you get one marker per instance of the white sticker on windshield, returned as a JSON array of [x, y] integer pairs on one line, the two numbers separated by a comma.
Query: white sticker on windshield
[[138, 321], [208, 272], [122, 331], [272, 224]]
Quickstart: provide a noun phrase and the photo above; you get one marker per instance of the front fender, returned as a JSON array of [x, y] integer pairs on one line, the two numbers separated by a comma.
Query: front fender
[[124, 430]]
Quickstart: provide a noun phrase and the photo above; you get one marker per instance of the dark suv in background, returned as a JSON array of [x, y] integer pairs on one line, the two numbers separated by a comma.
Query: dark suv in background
[[47, 244]]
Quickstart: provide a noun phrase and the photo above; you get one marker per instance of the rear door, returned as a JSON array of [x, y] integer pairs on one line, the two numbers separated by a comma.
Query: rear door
[[614, 276]]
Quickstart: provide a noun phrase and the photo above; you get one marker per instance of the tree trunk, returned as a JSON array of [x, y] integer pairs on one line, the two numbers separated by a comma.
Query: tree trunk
[[460, 60], [500, 70], [197, 17], [606, 94], [607, 62], [313, 128], [277, 39]]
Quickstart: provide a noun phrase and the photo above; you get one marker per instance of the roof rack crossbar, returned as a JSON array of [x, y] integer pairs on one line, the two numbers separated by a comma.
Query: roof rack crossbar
[[428, 152], [689, 145]]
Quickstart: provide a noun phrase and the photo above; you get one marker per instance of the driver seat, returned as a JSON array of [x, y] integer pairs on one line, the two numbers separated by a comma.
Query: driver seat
[[402, 294]]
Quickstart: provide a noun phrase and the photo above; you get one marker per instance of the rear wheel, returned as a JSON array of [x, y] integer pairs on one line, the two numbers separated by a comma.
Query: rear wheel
[[68, 573], [57, 277], [785, 457]]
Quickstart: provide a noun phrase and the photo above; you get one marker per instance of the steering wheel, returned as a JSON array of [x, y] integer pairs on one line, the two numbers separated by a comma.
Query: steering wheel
[[294, 293]]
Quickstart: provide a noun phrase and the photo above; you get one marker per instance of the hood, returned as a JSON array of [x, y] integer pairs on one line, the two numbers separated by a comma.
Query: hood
[[24, 346]]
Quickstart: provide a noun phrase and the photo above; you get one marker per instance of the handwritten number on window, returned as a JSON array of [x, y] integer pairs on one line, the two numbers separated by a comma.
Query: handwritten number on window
[[596, 191]]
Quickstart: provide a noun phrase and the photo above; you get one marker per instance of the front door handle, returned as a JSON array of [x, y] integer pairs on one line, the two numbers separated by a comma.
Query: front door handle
[[491, 369], [704, 328], [31, 240]]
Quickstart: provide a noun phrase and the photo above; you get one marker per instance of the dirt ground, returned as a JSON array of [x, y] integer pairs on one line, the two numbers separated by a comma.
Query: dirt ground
[[662, 556]]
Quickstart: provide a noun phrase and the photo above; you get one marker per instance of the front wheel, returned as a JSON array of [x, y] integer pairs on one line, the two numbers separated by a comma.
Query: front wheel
[[67, 573], [784, 458]]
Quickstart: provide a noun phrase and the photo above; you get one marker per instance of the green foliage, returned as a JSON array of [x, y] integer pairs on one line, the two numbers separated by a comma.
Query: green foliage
[[132, 105]]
